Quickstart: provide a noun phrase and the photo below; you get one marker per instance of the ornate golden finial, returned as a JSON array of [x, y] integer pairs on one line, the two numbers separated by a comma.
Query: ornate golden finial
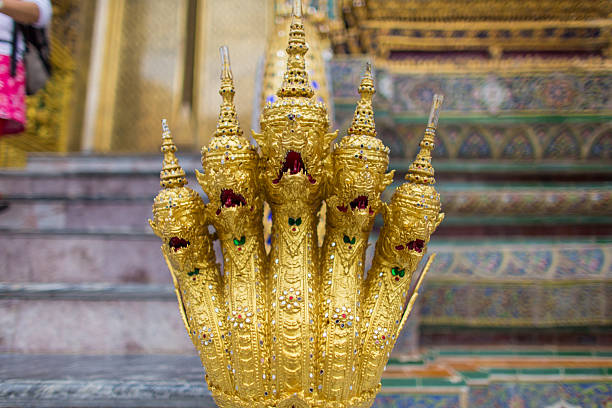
[[296, 82], [361, 143], [299, 326], [421, 170], [227, 124], [172, 175], [363, 119]]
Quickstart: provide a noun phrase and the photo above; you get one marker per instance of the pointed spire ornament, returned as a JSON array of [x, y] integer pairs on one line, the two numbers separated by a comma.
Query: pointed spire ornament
[[172, 174], [361, 144], [228, 143], [296, 82], [363, 119], [227, 124], [421, 171]]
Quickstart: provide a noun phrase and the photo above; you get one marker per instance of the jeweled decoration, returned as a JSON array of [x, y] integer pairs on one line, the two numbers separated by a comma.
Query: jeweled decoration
[[298, 326]]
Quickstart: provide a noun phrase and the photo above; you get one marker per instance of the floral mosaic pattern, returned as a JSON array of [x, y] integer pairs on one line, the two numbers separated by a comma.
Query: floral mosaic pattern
[[511, 141], [542, 395], [508, 262], [541, 286], [417, 401], [498, 102], [561, 92], [506, 200]]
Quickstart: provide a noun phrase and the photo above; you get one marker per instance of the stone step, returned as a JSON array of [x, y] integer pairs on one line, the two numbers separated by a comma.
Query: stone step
[[104, 214], [57, 256], [91, 319], [104, 319], [457, 378], [118, 163], [84, 184], [127, 257], [483, 209]]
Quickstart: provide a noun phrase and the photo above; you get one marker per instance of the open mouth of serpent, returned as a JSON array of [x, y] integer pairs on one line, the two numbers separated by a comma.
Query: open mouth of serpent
[[231, 199], [359, 203], [177, 243], [293, 164], [415, 245]]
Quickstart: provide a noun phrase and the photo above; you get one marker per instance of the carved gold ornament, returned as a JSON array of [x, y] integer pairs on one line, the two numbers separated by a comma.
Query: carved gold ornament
[[299, 326]]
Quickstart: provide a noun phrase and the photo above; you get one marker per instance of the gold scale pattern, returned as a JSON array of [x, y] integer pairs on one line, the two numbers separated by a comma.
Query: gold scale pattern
[[298, 326]]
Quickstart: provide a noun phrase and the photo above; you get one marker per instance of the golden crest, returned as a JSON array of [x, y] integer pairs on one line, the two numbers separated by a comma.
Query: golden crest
[[298, 326]]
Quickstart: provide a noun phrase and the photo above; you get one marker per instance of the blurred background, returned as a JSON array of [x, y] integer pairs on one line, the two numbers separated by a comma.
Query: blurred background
[[517, 309]]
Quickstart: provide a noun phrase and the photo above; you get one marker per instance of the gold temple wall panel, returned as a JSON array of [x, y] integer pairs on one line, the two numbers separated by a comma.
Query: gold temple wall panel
[[474, 10], [142, 73], [243, 26]]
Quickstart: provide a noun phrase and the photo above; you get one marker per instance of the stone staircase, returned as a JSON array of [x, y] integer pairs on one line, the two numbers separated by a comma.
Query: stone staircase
[[81, 274]]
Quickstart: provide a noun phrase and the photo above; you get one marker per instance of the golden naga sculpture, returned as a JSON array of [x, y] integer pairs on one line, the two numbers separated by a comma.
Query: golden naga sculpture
[[299, 326]]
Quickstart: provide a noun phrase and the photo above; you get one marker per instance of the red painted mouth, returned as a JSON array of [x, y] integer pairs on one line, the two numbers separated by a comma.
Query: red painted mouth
[[177, 243], [360, 203], [231, 199], [294, 165], [416, 245]]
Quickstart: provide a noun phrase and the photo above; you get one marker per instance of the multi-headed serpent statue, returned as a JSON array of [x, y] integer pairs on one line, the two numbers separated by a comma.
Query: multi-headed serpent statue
[[299, 326]]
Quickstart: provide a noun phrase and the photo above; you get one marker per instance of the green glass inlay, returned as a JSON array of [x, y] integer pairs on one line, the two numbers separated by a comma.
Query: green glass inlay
[[298, 221], [240, 241], [196, 271], [347, 240], [295, 221]]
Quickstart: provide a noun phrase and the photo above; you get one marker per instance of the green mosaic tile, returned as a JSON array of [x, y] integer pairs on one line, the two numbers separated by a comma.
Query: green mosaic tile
[[395, 361], [503, 371], [575, 353], [540, 371], [474, 375], [399, 382], [586, 371], [440, 382]]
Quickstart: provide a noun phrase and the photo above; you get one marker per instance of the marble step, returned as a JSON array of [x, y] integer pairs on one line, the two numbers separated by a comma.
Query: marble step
[[106, 319], [91, 318], [127, 257], [168, 381], [455, 377], [57, 256], [102, 214], [84, 184]]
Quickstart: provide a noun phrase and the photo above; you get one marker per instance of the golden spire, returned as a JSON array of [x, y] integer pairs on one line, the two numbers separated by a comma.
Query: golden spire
[[227, 124], [296, 82], [421, 171], [363, 119], [172, 175]]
